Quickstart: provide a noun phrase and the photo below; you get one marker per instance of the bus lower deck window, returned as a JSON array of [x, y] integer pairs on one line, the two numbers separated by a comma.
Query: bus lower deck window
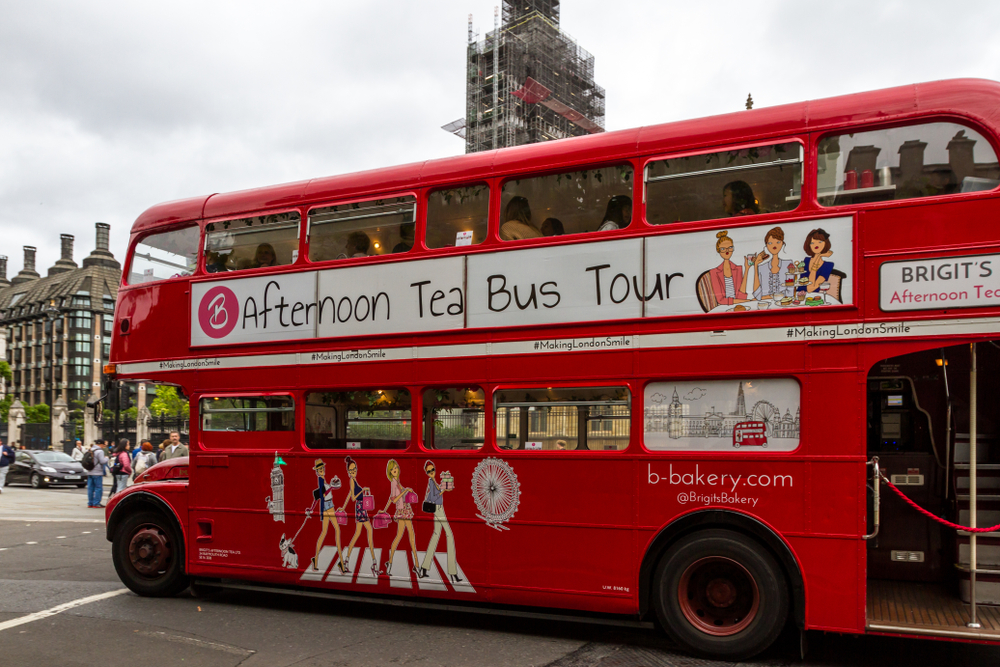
[[454, 418], [563, 419], [358, 419], [248, 413]]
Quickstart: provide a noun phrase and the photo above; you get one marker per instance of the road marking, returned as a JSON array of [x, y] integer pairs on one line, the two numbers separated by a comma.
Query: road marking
[[179, 639], [61, 537], [31, 542], [38, 615]]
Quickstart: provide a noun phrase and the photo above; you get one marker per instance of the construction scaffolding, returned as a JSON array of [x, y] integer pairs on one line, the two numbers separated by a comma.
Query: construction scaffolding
[[528, 81]]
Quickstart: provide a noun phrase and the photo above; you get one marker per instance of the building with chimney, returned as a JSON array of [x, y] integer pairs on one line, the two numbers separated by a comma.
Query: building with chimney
[[528, 81], [57, 328]]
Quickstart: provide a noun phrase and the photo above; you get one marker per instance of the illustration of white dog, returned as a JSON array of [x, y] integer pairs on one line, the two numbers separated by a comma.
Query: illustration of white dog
[[289, 558]]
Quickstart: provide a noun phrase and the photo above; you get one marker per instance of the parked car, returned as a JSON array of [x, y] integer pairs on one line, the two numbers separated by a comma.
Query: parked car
[[45, 468]]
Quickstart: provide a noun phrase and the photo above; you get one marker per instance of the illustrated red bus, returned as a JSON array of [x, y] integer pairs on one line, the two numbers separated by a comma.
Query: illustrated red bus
[[511, 378], [750, 434]]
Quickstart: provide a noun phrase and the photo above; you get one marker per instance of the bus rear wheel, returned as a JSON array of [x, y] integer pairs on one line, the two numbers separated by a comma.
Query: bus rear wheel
[[720, 594], [148, 553]]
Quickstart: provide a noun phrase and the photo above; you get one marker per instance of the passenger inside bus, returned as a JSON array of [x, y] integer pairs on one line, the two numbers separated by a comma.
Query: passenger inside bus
[[517, 221], [552, 227], [618, 214], [738, 199], [406, 237], [356, 246], [264, 256], [216, 262]]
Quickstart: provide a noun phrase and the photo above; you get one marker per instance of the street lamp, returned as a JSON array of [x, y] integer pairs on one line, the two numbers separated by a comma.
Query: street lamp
[[51, 310]]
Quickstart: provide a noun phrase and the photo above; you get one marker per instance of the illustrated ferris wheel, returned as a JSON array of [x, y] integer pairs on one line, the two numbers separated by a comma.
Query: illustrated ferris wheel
[[767, 413], [496, 491]]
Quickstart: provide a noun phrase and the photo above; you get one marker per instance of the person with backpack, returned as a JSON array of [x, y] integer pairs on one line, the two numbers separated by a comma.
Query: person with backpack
[[7, 454], [93, 462], [145, 459], [121, 466]]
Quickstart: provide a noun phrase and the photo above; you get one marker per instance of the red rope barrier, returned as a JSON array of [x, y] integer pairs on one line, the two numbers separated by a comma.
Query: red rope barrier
[[932, 516]]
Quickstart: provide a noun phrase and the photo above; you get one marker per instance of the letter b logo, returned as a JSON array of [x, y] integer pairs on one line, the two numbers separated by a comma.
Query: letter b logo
[[218, 312]]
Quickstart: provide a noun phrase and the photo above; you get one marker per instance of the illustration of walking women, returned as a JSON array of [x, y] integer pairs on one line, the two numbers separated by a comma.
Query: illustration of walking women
[[817, 246], [767, 272], [356, 493], [323, 496], [729, 280], [434, 503], [403, 515]]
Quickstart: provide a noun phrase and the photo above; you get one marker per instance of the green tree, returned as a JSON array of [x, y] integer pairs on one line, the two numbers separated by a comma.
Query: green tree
[[5, 371], [168, 402], [5, 407], [36, 414]]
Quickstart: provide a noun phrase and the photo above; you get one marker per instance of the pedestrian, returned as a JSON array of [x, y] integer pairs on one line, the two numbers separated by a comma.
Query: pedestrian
[[146, 459], [121, 466], [94, 461], [78, 451], [7, 454], [19, 447], [160, 449], [174, 448]]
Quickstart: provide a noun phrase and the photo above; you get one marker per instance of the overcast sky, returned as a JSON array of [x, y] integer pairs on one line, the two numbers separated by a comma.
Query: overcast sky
[[109, 107]]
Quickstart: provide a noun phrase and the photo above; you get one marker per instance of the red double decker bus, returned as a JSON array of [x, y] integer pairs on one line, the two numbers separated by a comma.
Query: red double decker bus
[[513, 378]]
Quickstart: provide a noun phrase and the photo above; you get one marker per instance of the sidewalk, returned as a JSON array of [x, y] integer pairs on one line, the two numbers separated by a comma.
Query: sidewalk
[[23, 503]]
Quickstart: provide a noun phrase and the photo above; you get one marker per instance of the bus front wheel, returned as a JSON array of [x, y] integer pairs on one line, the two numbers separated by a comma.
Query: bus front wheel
[[148, 553], [720, 594]]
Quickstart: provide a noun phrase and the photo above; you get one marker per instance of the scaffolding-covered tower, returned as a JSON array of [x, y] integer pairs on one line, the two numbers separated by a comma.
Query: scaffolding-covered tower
[[528, 81]]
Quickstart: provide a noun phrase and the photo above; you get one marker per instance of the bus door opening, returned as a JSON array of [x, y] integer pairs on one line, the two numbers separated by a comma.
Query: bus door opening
[[901, 432]]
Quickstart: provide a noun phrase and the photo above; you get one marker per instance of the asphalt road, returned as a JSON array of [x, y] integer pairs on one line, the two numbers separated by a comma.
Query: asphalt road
[[53, 552]]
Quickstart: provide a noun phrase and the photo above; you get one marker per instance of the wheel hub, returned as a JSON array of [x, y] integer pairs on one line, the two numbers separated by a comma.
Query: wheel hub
[[149, 550], [718, 596]]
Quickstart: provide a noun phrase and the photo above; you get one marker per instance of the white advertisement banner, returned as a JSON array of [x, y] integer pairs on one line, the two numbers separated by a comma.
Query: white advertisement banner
[[765, 267], [254, 310], [581, 283], [944, 282], [391, 298], [760, 268]]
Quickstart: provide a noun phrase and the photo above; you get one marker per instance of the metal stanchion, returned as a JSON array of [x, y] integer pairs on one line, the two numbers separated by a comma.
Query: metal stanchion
[[973, 562]]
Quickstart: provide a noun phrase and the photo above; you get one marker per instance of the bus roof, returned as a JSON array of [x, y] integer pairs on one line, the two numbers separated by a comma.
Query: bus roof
[[978, 99]]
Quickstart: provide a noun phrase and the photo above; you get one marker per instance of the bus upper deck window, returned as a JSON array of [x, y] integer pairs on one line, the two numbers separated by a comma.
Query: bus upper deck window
[[563, 418], [457, 217], [762, 179], [589, 200], [362, 229], [454, 418], [252, 243], [166, 255], [904, 163]]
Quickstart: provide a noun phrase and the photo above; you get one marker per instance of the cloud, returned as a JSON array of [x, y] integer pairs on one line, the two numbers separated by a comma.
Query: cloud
[[658, 398], [111, 107], [696, 394]]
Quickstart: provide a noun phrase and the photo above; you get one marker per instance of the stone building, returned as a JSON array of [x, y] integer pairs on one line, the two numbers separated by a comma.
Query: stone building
[[57, 328]]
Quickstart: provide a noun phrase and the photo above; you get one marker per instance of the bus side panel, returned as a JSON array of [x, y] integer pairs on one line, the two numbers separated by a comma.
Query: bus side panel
[[159, 326], [830, 570], [572, 532]]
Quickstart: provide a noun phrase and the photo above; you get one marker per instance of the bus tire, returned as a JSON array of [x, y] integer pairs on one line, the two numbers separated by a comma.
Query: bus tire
[[148, 553], [720, 594]]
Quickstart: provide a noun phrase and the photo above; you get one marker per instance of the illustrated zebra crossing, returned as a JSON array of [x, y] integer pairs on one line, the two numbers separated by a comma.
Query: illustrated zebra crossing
[[402, 576]]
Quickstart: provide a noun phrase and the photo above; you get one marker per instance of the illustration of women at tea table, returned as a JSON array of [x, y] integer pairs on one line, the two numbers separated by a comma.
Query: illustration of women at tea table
[[356, 493], [817, 248], [323, 496], [768, 266], [403, 515], [729, 280]]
